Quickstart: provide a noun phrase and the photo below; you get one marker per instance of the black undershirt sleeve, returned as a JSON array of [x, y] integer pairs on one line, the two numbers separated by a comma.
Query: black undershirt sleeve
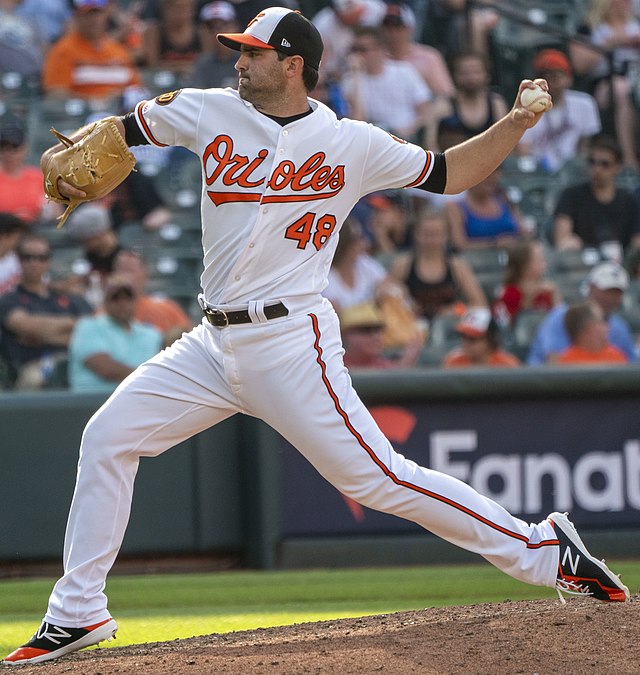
[[132, 132], [437, 180]]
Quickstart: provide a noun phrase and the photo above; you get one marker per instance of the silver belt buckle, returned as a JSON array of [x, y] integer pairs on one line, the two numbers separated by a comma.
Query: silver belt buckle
[[220, 313]]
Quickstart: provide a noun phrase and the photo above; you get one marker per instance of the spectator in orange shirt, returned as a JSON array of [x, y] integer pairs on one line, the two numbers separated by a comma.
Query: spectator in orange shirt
[[163, 313], [86, 62], [480, 343], [21, 192], [588, 331]]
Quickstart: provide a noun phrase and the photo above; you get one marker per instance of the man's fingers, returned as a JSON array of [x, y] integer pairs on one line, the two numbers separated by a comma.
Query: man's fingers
[[69, 190]]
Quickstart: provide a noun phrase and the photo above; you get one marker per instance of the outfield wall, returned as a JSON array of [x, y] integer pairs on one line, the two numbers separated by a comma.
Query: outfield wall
[[535, 440]]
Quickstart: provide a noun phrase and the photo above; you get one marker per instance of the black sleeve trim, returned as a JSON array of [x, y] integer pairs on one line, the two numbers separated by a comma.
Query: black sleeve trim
[[437, 180], [132, 133]]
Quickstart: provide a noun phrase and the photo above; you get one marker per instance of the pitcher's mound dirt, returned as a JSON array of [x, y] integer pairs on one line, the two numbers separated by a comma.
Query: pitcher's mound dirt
[[543, 636]]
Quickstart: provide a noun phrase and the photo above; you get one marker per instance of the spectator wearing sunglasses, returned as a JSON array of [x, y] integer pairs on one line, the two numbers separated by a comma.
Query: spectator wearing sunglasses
[[480, 343], [597, 213], [36, 322]]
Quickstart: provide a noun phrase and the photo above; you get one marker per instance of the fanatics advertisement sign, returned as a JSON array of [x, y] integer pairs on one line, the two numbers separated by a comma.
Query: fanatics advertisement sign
[[532, 457]]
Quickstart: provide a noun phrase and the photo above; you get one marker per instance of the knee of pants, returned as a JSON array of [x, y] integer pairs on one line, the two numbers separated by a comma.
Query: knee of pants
[[367, 490], [105, 435]]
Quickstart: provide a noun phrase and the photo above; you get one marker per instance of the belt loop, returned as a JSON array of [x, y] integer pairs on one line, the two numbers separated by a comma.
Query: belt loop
[[256, 311]]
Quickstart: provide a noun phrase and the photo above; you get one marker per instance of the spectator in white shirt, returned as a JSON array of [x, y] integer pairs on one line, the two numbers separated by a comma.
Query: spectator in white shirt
[[390, 94], [574, 118]]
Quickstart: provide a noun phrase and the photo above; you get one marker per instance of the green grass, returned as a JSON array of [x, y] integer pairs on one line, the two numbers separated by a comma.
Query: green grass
[[164, 607]]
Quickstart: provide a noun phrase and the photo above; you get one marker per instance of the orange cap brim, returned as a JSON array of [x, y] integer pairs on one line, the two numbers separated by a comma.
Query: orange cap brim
[[236, 40]]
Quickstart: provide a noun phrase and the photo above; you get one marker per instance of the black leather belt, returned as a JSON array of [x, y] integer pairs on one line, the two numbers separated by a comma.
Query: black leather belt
[[220, 318]]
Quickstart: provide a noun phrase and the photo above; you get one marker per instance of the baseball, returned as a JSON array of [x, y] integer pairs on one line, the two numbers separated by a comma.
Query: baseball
[[536, 100]]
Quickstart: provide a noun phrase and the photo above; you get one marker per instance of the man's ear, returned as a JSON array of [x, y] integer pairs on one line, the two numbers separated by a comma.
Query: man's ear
[[295, 65]]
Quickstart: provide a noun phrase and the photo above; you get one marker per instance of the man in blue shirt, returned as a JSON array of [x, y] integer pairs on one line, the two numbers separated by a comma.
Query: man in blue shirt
[[104, 349], [607, 284]]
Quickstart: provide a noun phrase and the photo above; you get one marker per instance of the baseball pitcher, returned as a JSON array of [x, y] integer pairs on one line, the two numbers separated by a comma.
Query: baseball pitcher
[[280, 175]]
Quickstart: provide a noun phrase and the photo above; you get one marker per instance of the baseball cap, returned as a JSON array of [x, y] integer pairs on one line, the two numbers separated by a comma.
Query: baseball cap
[[118, 282], [608, 275], [475, 322], [12, 135], [365, 315], [217, 11], [399, 15], [87, 221], [283, 29], [551, 59]]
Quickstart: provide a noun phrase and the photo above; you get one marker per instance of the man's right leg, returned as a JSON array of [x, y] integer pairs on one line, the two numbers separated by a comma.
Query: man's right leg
[[179, 393]]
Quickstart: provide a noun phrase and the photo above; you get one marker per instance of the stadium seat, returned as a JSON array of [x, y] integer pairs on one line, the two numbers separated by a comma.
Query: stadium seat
[[523, 331]]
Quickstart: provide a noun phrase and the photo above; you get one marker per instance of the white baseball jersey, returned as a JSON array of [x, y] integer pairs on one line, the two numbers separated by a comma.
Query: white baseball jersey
[[273, 197]]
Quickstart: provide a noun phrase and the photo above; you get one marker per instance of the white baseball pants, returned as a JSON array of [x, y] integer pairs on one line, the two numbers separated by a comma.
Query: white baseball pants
[[288, 372]]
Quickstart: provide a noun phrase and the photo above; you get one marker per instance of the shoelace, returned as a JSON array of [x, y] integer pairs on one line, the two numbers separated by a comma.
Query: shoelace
[[570, 588]]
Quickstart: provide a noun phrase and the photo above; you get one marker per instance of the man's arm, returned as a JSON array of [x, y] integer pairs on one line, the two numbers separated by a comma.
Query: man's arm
[[473, 160], [40, 328], [107, 368]]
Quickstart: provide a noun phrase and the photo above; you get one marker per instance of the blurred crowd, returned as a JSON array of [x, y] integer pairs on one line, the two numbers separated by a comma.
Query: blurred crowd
[[538, 264]]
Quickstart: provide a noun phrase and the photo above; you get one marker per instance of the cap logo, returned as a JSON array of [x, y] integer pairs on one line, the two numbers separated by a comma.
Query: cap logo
[[285, 43]]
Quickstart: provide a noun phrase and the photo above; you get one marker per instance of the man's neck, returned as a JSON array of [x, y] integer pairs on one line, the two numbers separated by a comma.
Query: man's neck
[[35, 287]]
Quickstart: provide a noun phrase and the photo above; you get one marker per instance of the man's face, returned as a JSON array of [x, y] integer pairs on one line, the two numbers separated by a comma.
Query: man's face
[[120, 305], [92, 23], [261, 76], [470, 75], [609, 299], [34, 260], [603, 166], [364, 342], [369, 51], [8, 242], [558, 81]]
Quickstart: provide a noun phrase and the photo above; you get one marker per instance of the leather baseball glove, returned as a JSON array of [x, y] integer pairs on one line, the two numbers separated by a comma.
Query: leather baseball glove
[[96, 163]]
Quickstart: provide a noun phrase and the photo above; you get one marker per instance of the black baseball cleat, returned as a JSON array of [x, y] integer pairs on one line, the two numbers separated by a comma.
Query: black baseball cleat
[[52, 641], [579, 573]]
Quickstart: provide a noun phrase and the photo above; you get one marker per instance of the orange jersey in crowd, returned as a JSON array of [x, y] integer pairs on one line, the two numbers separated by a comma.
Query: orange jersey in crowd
[[164, 314], [609, 354], [23, 194], [498, 359], [89, 70]]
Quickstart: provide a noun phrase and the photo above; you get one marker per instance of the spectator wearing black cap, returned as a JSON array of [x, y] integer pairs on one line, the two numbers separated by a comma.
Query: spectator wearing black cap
[[10, 231], [21, 191], [215, 67], [563, 131], [104, 349], [399, 28]]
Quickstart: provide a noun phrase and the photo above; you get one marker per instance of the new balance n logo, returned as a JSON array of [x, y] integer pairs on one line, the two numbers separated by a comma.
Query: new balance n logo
[[51, 632], [573, 562]]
